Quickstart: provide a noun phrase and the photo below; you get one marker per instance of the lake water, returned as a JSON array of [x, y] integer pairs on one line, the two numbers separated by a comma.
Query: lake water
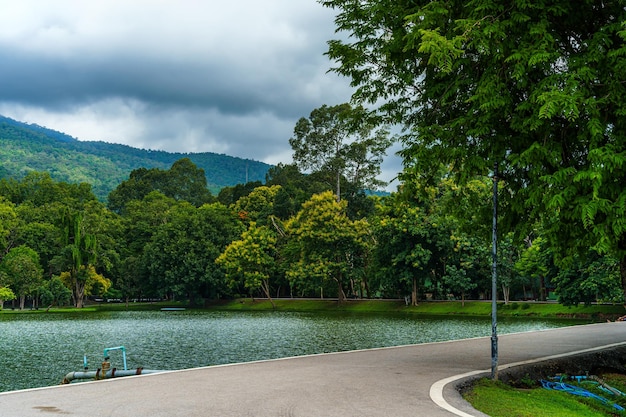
[[39, 349]]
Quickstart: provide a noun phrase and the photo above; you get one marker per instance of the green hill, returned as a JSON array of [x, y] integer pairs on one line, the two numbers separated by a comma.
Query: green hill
[[29, 147]]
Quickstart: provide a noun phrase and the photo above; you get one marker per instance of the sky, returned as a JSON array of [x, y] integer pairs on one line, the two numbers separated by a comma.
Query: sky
[[224, 76]]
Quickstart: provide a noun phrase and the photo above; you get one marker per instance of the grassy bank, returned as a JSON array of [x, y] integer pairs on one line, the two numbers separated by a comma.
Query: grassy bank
[[499, 400], [600, 312], [436, 308]]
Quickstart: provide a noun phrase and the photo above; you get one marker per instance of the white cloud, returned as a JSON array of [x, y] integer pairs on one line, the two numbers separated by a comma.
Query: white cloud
[[229, 77]]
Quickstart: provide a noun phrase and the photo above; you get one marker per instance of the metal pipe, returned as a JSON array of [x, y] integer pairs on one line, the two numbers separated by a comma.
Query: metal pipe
[[112, 373], [122, 348]]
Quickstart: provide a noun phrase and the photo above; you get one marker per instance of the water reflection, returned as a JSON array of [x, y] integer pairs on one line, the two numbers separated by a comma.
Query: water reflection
[[38, 350]]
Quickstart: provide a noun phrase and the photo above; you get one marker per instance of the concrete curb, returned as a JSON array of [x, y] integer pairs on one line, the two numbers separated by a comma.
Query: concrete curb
[[437, 389]]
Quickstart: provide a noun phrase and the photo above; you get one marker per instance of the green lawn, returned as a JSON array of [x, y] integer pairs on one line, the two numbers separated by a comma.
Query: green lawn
[[499, 400], [433, 308]]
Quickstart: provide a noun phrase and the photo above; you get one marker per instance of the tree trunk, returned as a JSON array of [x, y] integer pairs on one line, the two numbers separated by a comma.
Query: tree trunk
[[414, 292], [542, 288], [506, 291], [341, 295], [79, 294], [622, 271], [266, 289]]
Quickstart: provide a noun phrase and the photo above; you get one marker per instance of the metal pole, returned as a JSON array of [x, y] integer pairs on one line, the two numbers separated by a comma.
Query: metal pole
[[494, 278]]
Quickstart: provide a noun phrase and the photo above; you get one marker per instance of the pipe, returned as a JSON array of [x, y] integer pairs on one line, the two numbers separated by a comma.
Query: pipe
[[111, 373], [122, 348]]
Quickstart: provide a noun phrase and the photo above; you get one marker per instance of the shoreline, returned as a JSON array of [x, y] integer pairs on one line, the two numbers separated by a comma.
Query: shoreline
[[515, 309]]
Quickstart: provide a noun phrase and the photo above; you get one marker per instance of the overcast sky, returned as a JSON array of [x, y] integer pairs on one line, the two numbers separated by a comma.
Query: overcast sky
[[224, 76]]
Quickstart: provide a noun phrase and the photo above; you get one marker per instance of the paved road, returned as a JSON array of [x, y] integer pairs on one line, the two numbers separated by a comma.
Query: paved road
[[402, 381]]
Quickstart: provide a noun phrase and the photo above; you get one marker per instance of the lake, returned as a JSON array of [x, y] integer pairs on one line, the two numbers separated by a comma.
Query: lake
[[40, 349]]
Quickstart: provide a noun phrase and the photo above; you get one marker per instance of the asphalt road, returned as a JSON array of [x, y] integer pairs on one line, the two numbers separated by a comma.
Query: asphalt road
[[416, 380]]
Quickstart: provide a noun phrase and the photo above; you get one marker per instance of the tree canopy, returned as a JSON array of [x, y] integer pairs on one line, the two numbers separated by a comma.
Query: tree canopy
[[534, 88], [184, 181], [339, 142]]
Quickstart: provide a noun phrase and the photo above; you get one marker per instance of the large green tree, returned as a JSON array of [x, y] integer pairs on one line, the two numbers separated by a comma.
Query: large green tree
[[251, 259], [324, 243], [77, 256], [184, 181], [23, 270], [340, 142], [180, 257], [535, 88]]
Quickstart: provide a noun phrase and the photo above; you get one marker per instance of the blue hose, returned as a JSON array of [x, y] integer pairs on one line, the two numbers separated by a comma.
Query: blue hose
[[581, 392]]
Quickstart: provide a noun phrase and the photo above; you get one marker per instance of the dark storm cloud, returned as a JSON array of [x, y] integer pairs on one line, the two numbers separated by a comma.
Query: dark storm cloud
[[188, 76]]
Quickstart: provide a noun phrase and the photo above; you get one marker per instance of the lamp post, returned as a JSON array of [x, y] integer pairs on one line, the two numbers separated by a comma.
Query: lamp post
[[494, 278]]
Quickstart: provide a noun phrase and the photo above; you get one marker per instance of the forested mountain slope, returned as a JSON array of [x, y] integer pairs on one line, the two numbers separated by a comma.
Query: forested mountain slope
[[29, 147]]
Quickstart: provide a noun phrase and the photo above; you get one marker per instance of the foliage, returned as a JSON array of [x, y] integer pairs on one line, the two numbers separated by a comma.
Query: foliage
[[296, 188], [337, 142], [407, 250], [90, 282], [6, 294], [182, 182], [251, 259], [54, 292], [26, 148], [78, 256], [258, 205], [324, 243], [8, 223], [533, 89], [23, 271], [180, 257], [587, 280]]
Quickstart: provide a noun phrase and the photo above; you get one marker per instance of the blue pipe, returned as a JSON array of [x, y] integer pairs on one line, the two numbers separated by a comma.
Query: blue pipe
[[122, 348]]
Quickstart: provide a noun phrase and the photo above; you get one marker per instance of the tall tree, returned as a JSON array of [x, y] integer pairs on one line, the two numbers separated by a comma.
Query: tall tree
[[325, 243], [78, 255], [251, 259], [535, 88], [24, 273], [180, 257], [8, 226], [340, 141]]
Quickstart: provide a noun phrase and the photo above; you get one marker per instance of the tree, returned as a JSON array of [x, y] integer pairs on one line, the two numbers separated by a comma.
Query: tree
[[587, 279], [339, 142], [534, 264], [407, 248], [184, 181], [54, 292], [180, 257], [535, 89], [78, 256], [23, 271], [8, 225], [258, 205], [6, 294], [82, 282], [251, 259], [324, 243], [457, 280]]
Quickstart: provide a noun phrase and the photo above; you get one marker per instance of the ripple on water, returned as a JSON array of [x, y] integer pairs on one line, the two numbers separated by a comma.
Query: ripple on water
[[38, 350]]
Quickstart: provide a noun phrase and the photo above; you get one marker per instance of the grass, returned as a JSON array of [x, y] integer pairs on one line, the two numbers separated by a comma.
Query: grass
[[499, 400], [435, 308], [594, 312]]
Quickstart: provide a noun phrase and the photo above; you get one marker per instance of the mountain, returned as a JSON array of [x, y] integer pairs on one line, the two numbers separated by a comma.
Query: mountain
[[30, 147]]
